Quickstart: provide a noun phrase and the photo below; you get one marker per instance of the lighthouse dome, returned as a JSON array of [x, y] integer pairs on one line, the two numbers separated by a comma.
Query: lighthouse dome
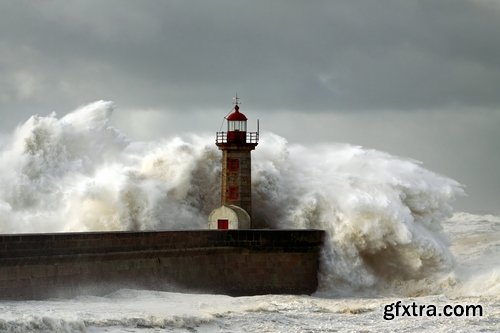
[[236, 115]]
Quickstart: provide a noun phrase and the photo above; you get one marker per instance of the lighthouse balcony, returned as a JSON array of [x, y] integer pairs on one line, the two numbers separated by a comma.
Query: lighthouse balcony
[[237, 137]]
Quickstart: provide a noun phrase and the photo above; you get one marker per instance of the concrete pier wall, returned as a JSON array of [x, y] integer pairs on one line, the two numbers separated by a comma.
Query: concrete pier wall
[[233, 262]]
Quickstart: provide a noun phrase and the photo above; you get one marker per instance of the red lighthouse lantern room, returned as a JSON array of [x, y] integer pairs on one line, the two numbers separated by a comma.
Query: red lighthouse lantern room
[[236, 126]]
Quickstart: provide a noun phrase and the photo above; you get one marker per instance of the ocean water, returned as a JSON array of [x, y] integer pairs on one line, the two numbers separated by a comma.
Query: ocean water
[[392, 234]]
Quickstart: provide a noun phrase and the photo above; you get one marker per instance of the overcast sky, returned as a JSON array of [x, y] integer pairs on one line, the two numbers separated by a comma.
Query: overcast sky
[[414, 78]]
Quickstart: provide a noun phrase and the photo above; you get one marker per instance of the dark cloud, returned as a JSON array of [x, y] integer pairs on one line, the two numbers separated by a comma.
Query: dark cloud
[[349, 57], [330, 55]]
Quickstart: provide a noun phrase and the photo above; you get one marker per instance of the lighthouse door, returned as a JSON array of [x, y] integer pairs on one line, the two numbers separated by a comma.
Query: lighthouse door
[[222, 224]]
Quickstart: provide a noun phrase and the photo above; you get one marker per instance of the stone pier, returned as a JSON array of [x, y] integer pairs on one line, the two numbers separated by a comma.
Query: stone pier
[[232, 262]]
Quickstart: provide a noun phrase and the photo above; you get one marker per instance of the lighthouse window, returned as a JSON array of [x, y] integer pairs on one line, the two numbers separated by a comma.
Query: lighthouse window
[[237, 125], [233, 164], [233, 193]]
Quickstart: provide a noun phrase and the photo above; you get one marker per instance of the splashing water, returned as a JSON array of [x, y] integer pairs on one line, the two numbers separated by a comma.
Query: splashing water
[[79, 174], [381, 213]]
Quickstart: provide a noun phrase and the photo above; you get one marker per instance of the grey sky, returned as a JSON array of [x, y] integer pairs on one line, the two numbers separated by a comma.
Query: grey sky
[[414, 78]]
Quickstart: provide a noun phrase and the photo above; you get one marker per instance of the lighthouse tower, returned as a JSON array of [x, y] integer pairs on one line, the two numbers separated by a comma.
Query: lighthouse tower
[[236, 183]]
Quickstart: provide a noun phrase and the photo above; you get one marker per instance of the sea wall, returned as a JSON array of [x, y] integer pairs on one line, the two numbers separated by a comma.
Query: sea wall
[[233, 262]]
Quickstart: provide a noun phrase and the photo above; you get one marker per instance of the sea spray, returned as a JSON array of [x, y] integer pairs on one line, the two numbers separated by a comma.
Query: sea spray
[[381, 213], [78, 173]]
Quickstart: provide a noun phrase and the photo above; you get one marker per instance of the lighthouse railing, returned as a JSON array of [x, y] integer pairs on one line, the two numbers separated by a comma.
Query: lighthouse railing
[[251, 137], [221, 137]]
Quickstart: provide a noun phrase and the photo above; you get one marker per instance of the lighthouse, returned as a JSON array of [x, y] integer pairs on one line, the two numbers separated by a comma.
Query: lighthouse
[[236, 145]]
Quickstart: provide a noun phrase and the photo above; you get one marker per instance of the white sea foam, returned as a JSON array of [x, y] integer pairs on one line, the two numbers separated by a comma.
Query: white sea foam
[[152, 311], [77, 173], [386, 219], [475, 241], [382, 213]]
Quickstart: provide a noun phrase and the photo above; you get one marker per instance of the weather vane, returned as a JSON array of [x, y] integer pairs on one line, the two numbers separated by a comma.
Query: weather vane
[[236, 100]]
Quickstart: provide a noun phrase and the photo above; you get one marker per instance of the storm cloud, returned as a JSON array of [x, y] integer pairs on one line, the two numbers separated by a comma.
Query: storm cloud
[[415, 78]]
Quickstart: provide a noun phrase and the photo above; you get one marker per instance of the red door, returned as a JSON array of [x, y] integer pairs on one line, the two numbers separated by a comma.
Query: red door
[[222, 224]]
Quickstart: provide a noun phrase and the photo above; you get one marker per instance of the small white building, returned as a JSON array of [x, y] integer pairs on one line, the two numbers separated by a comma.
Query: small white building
[[229, 217]]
